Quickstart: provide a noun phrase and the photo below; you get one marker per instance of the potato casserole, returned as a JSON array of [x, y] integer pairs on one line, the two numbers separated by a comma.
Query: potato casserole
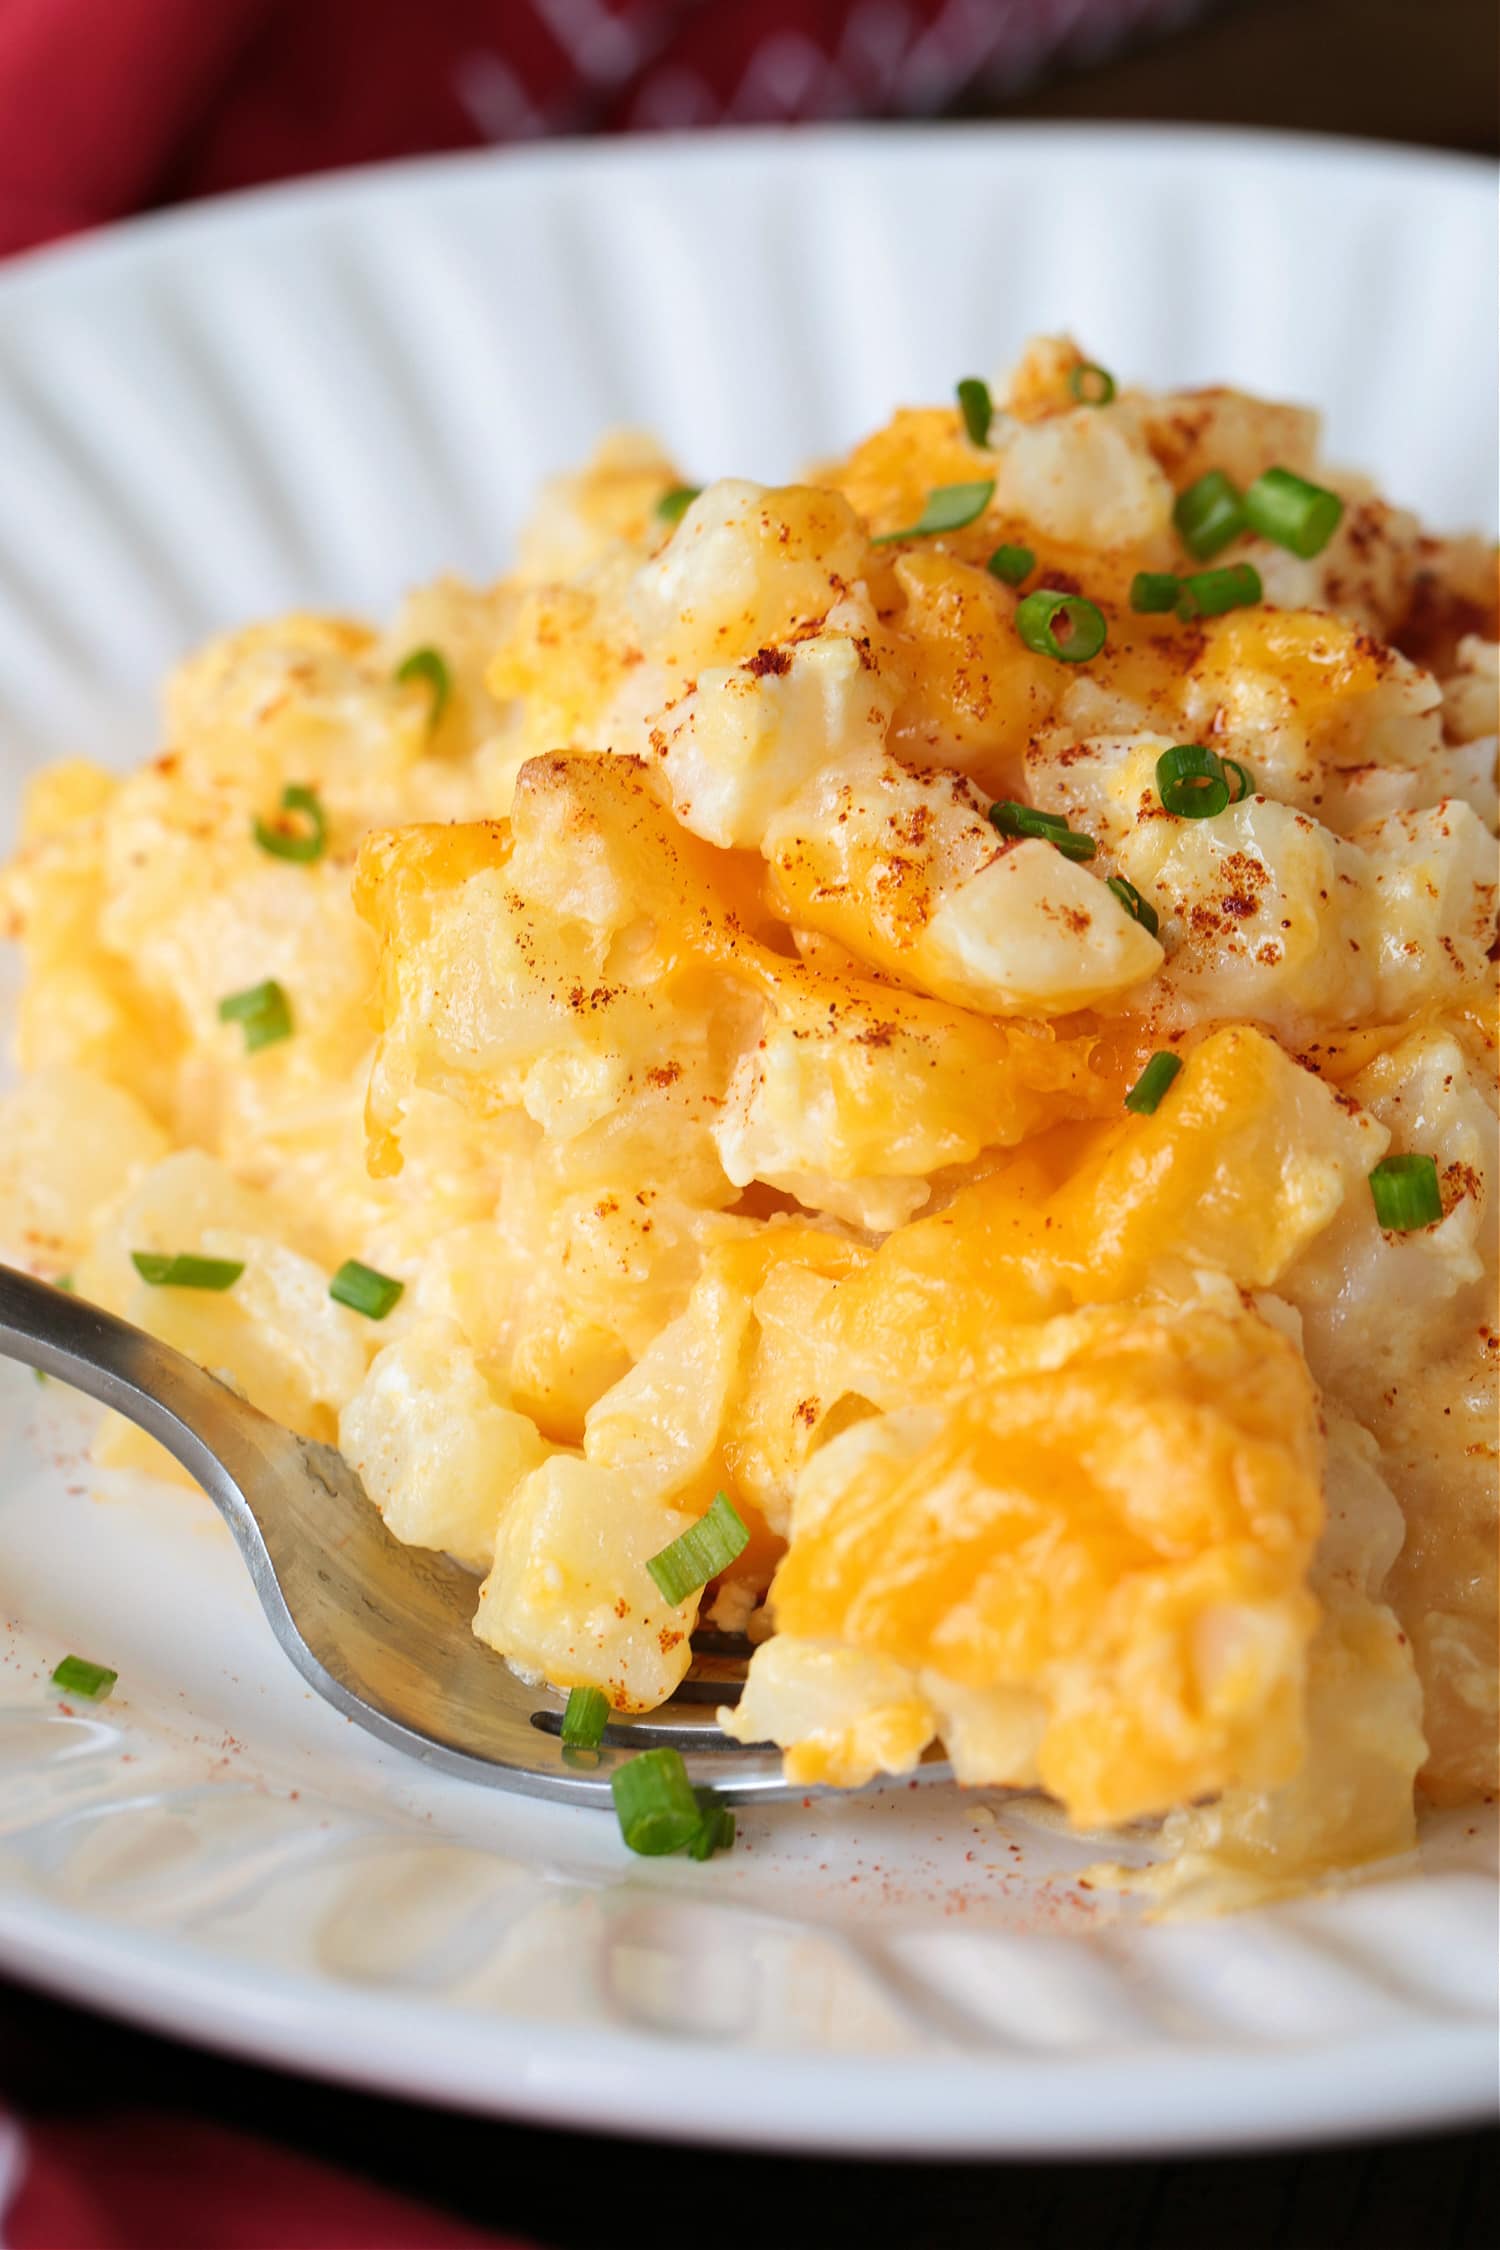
[[918, 1044]]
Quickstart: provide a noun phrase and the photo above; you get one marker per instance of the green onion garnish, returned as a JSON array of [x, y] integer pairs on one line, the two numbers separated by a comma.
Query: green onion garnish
[[1145, 1095], [1406, 1192], [715, 1827], [674, 504], [1154, 591], [585, 1719], [949, 507], [1139, 909], [76, 1676], [705, 1548], [286, 839], [263, 1011], [1296, 514], [977, 408], [1061, 625], [1209, 514], [427, 665], [1011, 564], [364, 1290], [1091, 385], [1209, 593], [1191, 781], [1243, 776], [186, 1272], [655, 1803], [1029, 820]]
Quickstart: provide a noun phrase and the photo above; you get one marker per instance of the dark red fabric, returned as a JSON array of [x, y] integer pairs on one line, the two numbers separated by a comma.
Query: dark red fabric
[[163, 2183], [93, 92], [111, 106]]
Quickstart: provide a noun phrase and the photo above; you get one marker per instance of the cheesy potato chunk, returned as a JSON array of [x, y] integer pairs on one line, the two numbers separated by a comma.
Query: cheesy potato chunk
[[750, 981]]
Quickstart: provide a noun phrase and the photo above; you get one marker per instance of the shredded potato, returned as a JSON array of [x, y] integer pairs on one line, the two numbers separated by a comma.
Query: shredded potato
[[742, 1108]]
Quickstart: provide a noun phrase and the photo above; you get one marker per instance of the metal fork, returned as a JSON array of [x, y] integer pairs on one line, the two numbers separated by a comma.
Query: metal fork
[[380, 1630]]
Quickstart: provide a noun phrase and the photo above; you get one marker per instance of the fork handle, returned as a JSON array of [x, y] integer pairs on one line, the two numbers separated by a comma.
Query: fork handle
[[344, 1598], [197, 1418]]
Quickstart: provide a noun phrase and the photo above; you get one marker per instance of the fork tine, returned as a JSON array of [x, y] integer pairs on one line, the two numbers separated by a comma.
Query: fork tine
[[381, 1631]]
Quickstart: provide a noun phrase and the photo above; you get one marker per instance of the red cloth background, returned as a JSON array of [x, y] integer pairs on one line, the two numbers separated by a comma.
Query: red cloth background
[[165, 2183], [111, 106]]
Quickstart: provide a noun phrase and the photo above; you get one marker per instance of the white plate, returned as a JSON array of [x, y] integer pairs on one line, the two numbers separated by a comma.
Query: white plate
[[320, 394]]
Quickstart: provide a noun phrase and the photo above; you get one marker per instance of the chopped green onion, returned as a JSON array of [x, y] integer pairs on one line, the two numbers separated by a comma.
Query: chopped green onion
[[715, 1827], [977, 408], [1191, 781], [1029, 820], [1091, 385], [1139, 909], [186, 1272], [674, 505], [1296, 514], [1013, 819], [1061, 625], [76, 1676], [1243, 776], [285, 839], [263, 1011], [364, 1290], [1154, 591], [427, 665], [1209, 593], [1072, 845], [948, 508], [585, 1718], [1406, 1192], [1209, 514], [704, 1549], [1145, 1095], [655, 1803], [1011, 564]]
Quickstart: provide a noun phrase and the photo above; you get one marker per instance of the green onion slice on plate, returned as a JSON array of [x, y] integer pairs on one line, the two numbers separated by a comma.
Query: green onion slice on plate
[[715, 1827], [655, 1803], [76, 1676]]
